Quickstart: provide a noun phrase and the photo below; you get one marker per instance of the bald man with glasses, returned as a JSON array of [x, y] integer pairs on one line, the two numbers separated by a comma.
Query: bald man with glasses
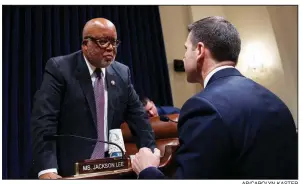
[[86, 93]]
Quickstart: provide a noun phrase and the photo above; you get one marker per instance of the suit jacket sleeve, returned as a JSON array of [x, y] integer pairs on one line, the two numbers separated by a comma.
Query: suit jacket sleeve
[[44, 117], [151, 173], [204, 143], [137, 119]]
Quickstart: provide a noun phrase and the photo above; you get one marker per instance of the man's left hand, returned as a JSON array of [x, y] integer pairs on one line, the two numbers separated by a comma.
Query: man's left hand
[[146, 158]]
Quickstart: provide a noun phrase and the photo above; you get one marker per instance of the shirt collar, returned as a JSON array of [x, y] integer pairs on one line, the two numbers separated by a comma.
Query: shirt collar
[[213, 72], [91, 68]]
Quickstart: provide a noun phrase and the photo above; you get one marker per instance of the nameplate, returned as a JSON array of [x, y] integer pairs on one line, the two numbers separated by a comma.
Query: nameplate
[[101, 165]]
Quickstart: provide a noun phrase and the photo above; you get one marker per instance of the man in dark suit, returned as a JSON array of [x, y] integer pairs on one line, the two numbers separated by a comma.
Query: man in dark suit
[[234, 128], [87, 94]]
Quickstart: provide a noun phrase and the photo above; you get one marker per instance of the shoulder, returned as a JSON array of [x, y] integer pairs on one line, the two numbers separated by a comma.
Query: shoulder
[[197, 106], [117, 66], [65, 60], [198, 102], [120, 70], [237, 97], [198, 114], [63, 64]]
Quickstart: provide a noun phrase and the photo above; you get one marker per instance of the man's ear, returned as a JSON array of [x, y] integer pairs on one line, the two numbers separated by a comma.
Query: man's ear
[[84, 45], [200, 50], [200, 54]]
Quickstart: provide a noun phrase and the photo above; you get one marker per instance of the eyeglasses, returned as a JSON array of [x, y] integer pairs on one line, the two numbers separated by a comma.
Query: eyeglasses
[[104, 42]]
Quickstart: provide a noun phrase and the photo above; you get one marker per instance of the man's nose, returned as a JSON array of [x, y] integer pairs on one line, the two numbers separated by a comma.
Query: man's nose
[[151, 112], [109, 47]]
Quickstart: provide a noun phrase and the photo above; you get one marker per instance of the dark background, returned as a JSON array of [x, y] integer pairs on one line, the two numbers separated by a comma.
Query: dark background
[[33, 34]]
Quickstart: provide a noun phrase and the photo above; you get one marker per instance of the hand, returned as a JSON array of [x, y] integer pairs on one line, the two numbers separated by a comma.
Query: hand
[[145, 158], [50, 176]]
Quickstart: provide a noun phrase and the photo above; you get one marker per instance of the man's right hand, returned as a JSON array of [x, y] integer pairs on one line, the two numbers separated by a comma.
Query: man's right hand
[[145, 158], [48, 176]]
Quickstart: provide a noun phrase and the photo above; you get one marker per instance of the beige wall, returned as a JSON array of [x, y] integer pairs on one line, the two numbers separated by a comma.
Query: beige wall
[[199, 12], [174, 25], [284, 21], [268, 55]]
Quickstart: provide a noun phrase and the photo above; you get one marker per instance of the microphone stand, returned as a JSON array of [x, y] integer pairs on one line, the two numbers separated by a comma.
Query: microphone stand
[[167, 119], [51, 137]]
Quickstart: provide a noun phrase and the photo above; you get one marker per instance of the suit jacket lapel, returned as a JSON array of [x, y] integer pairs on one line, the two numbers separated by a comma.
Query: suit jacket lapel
[[112, 88], [85, 81]]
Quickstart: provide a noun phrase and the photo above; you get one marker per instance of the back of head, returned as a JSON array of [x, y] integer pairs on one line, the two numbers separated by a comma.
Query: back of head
[[145, 100], [219, 36]]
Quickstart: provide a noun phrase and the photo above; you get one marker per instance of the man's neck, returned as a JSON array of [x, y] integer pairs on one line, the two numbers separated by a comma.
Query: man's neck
[[213, 66]]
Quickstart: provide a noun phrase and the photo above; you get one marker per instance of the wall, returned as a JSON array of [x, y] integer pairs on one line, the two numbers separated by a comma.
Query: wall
[[284, 21], [174, 25], [259, 58]]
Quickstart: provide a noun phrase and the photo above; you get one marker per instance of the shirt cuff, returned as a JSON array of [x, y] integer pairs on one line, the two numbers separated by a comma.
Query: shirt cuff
[[143, 172], [53, 170]]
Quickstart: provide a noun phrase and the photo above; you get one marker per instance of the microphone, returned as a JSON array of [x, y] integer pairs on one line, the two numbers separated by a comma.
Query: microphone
[[52, 137], [167, 119]]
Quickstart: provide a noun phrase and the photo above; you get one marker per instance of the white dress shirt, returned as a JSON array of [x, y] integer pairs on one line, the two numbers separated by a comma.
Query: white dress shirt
[[213, 72], [91, 70]]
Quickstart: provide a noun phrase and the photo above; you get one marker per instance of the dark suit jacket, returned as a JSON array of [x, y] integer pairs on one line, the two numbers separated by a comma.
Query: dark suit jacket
[[164, 110], [234, 128], [65, 104]]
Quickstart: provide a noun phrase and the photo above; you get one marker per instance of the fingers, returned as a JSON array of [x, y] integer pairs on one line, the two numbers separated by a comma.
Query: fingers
[[54, 176], [145, 158], [50, 176], [157, 152], [45, 176], [144, 149], [135, 164]]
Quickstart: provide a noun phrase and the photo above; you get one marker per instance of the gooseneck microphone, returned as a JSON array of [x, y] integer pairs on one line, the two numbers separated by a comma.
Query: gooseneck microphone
[[52, 137], [167, 119]]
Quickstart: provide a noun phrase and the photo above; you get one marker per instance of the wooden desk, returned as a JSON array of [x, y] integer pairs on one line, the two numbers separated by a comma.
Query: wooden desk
[[166, 140], [165, 134]]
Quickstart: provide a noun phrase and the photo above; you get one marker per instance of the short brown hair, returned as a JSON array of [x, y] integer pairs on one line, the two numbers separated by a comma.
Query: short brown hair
[[219, 36]]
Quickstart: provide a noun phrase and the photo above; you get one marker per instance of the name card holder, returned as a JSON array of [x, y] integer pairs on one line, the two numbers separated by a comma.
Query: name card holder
[[102, 165]]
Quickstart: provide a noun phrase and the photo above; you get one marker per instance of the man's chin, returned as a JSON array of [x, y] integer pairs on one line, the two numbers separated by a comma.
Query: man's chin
[[105, 64], [191, 80]]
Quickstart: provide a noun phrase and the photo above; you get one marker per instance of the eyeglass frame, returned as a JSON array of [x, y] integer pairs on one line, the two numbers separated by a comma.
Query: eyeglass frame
[[109, 41]]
